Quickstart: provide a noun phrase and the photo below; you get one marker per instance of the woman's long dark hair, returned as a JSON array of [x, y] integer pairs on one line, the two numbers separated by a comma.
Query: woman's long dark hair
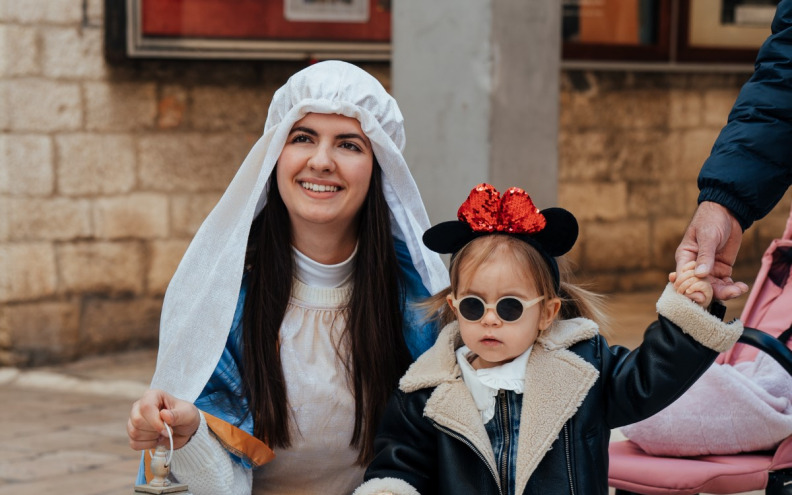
[[373, 349]]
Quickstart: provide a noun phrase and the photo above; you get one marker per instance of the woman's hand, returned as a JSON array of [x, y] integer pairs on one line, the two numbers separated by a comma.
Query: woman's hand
[[146, 428]]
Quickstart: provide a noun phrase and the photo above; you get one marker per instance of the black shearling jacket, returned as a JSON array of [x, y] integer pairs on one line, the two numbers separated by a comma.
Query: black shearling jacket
[[577, 388]]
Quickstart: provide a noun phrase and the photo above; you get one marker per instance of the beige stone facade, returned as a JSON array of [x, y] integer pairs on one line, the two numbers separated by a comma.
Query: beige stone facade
[[107, 171]]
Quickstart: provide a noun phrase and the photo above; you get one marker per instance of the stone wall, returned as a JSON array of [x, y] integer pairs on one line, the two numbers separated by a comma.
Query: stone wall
[[107, 171], [631, 146]]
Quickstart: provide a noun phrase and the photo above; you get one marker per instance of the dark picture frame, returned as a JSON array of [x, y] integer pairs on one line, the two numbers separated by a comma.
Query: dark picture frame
[[248, 29], [719, 41], [679, 28]]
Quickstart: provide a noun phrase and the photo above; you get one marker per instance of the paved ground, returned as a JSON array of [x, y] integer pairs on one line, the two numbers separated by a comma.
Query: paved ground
[[63, 429]]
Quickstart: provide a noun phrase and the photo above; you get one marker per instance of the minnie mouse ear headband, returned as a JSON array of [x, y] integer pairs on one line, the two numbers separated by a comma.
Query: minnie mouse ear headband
[[552, 231]]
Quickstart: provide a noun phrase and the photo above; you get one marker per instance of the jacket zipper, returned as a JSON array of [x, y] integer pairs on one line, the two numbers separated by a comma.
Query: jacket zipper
[[504, 464], [568, 458], [473, 448]]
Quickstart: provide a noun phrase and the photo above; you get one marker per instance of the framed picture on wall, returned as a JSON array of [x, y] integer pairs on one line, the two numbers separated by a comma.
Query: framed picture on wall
[[248, 29], [616, 30], [726, 31]]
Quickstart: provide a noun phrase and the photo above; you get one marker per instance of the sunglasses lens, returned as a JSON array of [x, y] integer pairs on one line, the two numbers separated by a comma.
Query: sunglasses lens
[[509, 309], [471, 308]]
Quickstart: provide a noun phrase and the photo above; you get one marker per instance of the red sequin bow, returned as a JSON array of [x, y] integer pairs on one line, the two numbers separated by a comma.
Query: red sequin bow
[[485, 210]]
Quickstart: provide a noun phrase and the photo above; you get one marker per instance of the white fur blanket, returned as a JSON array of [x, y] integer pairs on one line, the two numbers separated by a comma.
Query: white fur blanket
[[742, 408]]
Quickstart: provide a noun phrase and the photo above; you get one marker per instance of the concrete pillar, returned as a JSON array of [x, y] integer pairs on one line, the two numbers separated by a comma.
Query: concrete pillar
[[478, 83]]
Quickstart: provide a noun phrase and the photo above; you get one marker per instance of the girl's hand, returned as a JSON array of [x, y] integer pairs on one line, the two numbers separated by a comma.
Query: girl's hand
[[697, 289], [146, 428]]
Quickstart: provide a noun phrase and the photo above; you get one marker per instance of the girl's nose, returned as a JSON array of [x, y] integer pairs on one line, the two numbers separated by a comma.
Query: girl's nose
[[321, 160], [491, 318]]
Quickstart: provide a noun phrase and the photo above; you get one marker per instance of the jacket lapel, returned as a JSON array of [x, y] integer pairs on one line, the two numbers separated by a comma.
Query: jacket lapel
[[556, 383]]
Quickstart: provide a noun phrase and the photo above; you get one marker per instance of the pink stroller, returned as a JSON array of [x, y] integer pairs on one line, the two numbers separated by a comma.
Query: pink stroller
[[768, 313]]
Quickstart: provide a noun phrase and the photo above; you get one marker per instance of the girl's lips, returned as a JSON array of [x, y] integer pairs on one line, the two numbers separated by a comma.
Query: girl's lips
[[490, 341]]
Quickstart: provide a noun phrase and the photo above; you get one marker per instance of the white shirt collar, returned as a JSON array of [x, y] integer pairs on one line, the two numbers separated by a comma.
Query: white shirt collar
[[315, 274], [485, 383]]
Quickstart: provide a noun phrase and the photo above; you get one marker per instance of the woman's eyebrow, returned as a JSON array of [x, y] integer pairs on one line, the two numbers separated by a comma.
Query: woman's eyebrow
[[306, 130], [351, 135]]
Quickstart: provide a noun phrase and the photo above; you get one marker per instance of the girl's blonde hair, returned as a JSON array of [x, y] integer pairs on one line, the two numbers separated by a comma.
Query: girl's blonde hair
[[576, 300]]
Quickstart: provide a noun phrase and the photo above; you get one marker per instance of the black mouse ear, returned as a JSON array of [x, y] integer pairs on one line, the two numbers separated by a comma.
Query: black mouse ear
[[560, 233], [448, 237]]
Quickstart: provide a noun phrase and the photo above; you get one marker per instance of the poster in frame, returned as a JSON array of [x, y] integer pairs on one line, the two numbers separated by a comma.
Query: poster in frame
[[723, 31], [248, 29]]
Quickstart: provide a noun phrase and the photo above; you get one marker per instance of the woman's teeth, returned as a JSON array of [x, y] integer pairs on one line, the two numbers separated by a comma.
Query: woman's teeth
[[318, 187]]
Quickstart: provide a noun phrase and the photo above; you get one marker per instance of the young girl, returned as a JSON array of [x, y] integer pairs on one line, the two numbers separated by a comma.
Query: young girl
[[520, 391]]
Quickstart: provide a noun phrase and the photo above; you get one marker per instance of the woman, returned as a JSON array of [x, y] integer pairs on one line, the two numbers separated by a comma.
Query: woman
[[288, 322]]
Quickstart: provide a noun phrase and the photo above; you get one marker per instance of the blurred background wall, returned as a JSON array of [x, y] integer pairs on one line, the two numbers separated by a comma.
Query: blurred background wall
[[106, 172]]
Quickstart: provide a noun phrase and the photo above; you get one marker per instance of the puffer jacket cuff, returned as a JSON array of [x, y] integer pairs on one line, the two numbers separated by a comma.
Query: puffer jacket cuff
[[695, 321], [383, 486]]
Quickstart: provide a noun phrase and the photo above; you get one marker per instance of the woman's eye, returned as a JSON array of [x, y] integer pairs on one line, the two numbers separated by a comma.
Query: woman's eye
[[350, 146], [301, 138]]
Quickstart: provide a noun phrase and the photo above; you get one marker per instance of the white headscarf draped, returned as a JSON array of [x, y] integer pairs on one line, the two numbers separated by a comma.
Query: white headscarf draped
[[200, 301]]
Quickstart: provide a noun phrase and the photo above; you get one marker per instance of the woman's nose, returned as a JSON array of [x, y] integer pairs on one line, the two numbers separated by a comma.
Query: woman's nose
[[321, 160]]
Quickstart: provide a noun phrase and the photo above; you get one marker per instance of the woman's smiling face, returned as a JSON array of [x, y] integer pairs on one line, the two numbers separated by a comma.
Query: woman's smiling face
[[324, 171]]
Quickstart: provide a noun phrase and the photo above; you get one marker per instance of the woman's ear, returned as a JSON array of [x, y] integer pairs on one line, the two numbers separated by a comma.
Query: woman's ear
[[550, 310]]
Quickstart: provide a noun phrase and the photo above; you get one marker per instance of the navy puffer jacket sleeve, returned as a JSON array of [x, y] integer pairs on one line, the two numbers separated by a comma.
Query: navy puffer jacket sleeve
[[750, 166]]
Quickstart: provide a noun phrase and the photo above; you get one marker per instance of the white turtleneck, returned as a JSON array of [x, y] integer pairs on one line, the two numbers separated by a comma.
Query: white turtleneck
[[315, 274]]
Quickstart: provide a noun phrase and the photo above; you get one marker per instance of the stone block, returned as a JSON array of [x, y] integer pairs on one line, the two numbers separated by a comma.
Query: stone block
[[27, 271], [95, 164], [43, 11], [171, 107], [666, 235], [586, 155], [188, 211], [43, 105], [641, 155], [717, 105], [120, 106], [94, 12], [626, 109], [5, 105], [45, 330], [164, 257], [140, 215], [687, 151], [109, 324], [227, 108], [73, 52], [640, 280], [5, 230], [22, 53], [49, 219], [658, 199], [191, 162], [685, 109], [616, 246], [28, 165], [594, 200], [101, 267]]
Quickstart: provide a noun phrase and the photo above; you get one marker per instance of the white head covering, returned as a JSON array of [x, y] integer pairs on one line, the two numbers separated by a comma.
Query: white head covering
[[200, 301]]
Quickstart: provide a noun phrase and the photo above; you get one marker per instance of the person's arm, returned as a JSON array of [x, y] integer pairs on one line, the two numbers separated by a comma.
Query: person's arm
[[205, 466], [405, 454], [199, 460], [677, 348], [749, 170]]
